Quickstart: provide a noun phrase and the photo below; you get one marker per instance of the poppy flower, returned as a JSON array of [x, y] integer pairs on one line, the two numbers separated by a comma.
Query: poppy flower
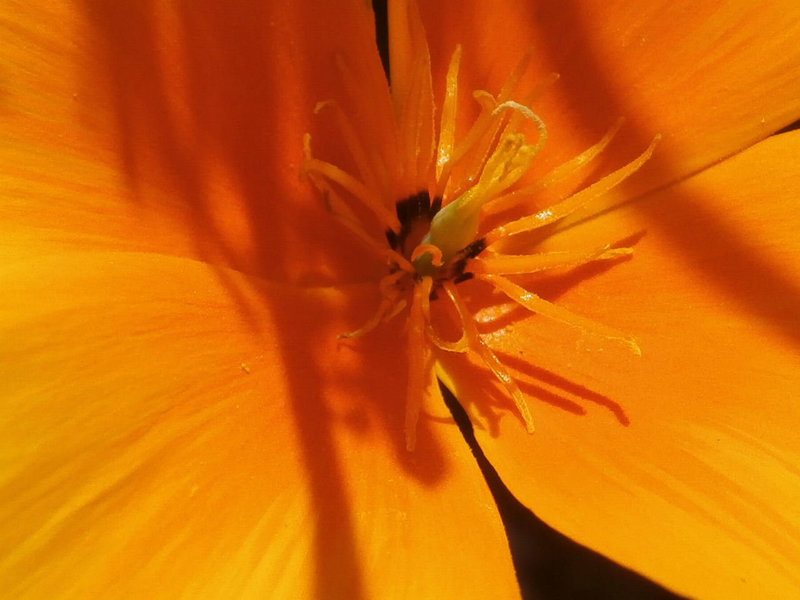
[[180, 416]]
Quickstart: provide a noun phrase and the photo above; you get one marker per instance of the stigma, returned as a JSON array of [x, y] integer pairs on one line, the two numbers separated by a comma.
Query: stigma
[[450, 227]]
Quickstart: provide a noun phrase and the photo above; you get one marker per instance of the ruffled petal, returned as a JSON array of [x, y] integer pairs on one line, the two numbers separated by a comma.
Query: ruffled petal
[[174, 431], [712, 78], [681, 463]]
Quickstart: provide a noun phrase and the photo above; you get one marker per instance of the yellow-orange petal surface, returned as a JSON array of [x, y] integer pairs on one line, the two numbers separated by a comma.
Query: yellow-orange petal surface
[[161, 438], [681, 463]]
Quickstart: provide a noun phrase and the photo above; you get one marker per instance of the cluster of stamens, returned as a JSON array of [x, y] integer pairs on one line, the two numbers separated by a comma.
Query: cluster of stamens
[[437, 238]]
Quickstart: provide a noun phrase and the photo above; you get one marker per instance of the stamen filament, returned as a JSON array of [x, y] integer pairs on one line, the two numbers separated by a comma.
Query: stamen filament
[[486, 119], [488, 104], [399, 307], [417, 127], [574, 202], [510, 85], [501, 203], [383, 309], [516, 264], [342, 213], [462, 344], [369, 199], [540, 306], [479, 150], [477, 130], [365, 162], [447, 129], [390, 255], [419, 366], [489, 357], [387, 307]]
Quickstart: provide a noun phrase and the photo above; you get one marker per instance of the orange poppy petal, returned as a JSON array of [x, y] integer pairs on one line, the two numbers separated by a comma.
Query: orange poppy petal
[[710, 77], [194, 115], [170, 430], [681, 463]]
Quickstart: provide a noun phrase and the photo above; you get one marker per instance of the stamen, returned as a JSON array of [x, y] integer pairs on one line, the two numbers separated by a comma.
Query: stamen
[[385, 309], [345, 216], [486, 101], [412, 96], [484, 128], [469, 146], [417, 127], [447, 129], [462, 344], [392, 256], [477, 150], [365, 162], [540, 306], [367, 197], [507, 157], [399, 307], [479, 147], [501, 203], [574, 202], [514, 264], [510, 85], [419, 365], [489, 358]]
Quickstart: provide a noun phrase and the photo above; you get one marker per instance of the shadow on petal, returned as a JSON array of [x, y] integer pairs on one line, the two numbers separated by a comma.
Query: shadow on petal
[[699, 232], [210, 103], [550, 565]]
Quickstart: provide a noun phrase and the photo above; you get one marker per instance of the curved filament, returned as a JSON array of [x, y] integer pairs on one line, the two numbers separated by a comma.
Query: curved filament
[[574, 202], [521, 110], [389, 306], [356, 188], [562, 171], [540, 306], [383, 309], [434, 251], [461, 345], [490, 358]]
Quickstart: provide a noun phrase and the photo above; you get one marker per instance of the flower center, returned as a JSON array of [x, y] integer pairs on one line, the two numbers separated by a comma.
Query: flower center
[[440, 236]]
